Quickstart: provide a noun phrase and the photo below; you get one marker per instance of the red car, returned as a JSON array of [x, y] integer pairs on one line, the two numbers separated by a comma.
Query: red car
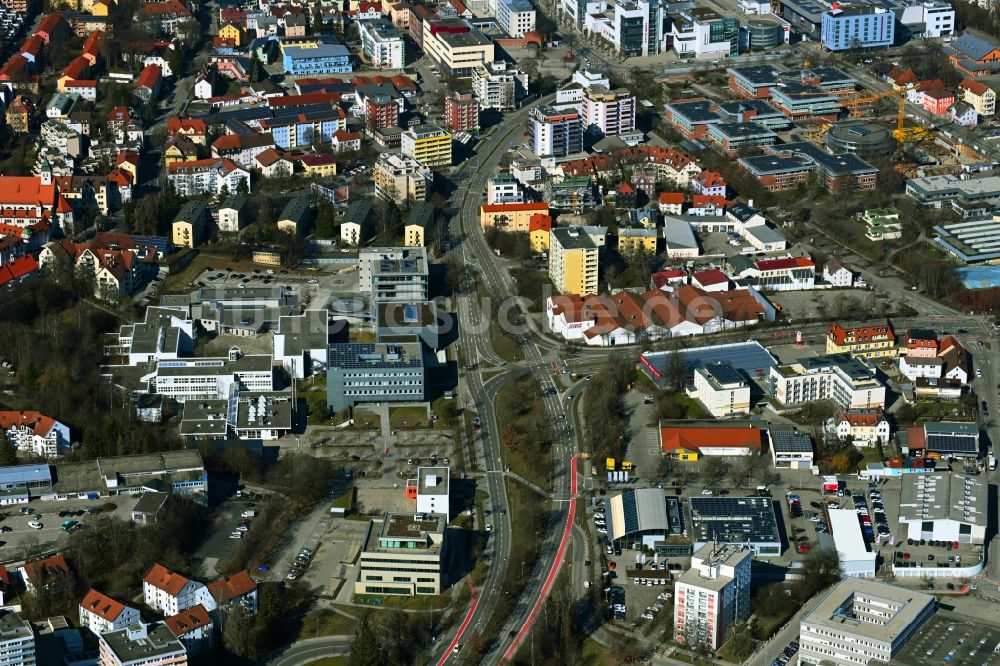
[[802, 548]]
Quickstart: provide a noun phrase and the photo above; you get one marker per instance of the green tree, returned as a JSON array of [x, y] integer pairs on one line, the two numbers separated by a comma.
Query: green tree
[[239, 635], [712, 470], [8, 455]]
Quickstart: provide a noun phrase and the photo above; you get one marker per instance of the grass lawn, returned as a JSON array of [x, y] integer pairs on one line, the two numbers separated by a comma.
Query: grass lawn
[[870, 454], [413, 416], [365, 420], [331, 661], [325, 622], [506, 346], [766, 625], [345, 501], [533, 468], [419, 602]]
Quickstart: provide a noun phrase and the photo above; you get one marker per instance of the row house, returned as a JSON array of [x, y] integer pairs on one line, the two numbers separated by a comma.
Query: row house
[[209, 176], [35, 434], [242, 148], [868, 341]]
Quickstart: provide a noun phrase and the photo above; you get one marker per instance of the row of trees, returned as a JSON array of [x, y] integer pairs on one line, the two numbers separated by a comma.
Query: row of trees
[[607, 422], [525, 432]]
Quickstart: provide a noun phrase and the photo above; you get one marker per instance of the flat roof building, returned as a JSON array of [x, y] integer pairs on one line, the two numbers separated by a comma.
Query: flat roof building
[[712, 596], [139, 644], [861, 621], [750, 357], [790, 448], [944, 506], [433, 488], [408, 323], [855, 555], [738, 521], [722, 389], [846, 380], [365, 372], [403, 554], [393, 273]]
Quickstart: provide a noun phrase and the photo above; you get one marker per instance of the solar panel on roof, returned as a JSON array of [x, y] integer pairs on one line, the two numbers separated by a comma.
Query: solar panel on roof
[[410, 314], [950, 443], [630, 512]]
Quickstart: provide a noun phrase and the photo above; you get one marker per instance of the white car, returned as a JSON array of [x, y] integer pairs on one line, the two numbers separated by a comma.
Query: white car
[[236, 535], [979, 373], [602, 530], [489, 528], [35, 525]]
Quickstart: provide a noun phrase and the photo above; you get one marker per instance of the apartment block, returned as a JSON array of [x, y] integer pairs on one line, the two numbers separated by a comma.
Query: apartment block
[[461, 112], [515, 17], [712, 596], [400, 177], [573, 261], [846, 380], [877, 341], [857, 25], [17, 640], [403, 555], [554, 133], [723, 390], [381, 44], [610, 112], [499, 85], [142, 645], [101, 613], [428, 144]]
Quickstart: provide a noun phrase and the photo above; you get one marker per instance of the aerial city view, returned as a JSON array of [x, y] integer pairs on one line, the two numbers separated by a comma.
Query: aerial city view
[[447, 332]]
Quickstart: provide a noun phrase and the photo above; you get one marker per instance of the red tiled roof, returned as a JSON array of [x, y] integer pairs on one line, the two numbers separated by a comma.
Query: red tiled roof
[[902, 77], [514, 207], [625, 188], [863, 417], [40, 424], [317, 159], [86, 83], [695, 438], [710, 179], [975, 87], [710, 277], [671, 198], [662, 278], [268, 157], [33, 45], [839, 334], [186, 125], [120, 177], [49, 23], [224, 163], [172, 8], [102, 606], [130, 156], [344, 136], [76, 68], [700, 200], [164, 579], [150, 76], [227, 589], [26, 191], [539, 222], [188, 620], [785, 263], [52, 566], [93, 44]]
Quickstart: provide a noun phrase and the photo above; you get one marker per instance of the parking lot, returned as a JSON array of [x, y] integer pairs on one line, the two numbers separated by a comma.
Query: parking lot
[[219, 546], [949, 638], [21, 538]]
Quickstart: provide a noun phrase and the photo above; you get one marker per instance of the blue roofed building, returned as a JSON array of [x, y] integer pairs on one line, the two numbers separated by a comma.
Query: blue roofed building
[[313, 55]]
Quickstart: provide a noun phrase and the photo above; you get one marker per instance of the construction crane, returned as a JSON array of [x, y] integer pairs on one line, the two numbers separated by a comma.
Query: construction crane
[[858, 106]]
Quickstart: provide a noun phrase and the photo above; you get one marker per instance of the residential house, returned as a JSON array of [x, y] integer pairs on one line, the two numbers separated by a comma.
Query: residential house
[[950, 362], [232, 591], [964, 114], [355, 225], [417, 223], [231, 217], [19, 115], [982, 98], [193, 627], [190, 226], [192, 128], [837, 274], [344, 141], [296, 217], [210, 176], [39, 574], [321, 165], [169, 592], [34, 433], [101, 613], [272, 164], [147, 87], [863, 426], [868, 341], [671, 203], [242, 149]]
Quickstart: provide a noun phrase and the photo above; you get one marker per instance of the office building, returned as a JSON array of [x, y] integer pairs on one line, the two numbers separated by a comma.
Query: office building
[[393, 273], [737, 521], [313, 55], [631, 27], [17, 640], [689, 443], [515, 17], [403, 554], [428, 144], [499, 85], [364, 372], [846, 380], [194, 378], [944, 506], [855, 555], [861, 621], [573, 262], [877, 341], [712, 596], [399, 177], [456, 47], [942, 439], [701, 32], [433, 484], [857, 25], [410, 322], [609, 112], [461, 112], [142, 645], [381, 45], [723, 390]]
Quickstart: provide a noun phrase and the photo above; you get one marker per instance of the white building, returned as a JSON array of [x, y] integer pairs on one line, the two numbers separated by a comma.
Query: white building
[[712, 595], [301, 341], [17, 640], [142, 645], [609, 112], [846, 380], [166, 333], [498, 85], [208, 176], [169, 592], [692, 31], [503, 188], [101, 613], [928, 19], [864, 426], [861, 621], [835, 273], [790, 449], [34, 433], [944, 506], [951, 362], [193, 378], [402, 554], [856, 558], [723, 390], [433, 484], [381, 45], [515, 17], [614, 21]]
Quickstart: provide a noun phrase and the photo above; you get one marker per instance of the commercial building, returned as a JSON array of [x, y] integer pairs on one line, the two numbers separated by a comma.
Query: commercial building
[[364, 372], [974, 54], [862, 621], [631, 27], [723, 390], [944, 506], [700, 32], [878, 341], [414, 321], [461, 112], [971, 242], [428, 144], [860, 137], [642, 518], [400, 177], [515, 17], [248, 416], [393, 273], [712, 596], [942, 439], [19, 482], [846, 380], [499, 85], [857, 25], [856, 556], [182, 472], [693, 442], [142, 645], [790, 449], [738, 521], [17, 640], [382, 46], [101, 613], [750, 357], [403, 554], [573, 262], [455, 47], [195, 378], [313, 55], [553, 133], [433, 487]]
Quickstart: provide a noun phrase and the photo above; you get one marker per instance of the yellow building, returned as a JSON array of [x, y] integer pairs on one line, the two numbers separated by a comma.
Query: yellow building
[[631, 241], [539, 230], [458, 53], [401, 178], [321, 164], [511, 216], [190, 225], [267, 257], [428, 144], [179, 148], [233, 32], [97, 7], [421, 219], [573, 261], [296, 217], [877, 341]]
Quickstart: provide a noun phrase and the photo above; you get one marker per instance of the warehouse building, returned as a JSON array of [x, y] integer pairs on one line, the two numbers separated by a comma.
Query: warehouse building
[[19, 482], [693, 442], [748, 521], [790, 448], [856, 558], [749, 357], [861, 621], [944, 506], [638, 515], [941, 439]]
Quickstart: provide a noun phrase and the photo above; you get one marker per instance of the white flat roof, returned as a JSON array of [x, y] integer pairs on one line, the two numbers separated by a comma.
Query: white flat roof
[[846, 530]]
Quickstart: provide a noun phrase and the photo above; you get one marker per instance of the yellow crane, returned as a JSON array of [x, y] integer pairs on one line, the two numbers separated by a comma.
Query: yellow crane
[[858, 106]]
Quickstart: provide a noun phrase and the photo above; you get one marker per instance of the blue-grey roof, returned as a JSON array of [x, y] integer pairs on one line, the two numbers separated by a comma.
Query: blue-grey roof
[[786, 440], [21, 474], [321, 51], [973, 46], [750, 357], [742, 212]]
